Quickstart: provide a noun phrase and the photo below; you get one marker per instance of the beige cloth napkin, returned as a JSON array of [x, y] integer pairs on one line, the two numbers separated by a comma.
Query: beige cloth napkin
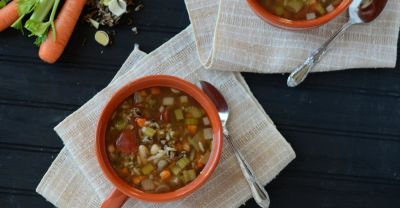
[[231, 37], [75, 179]]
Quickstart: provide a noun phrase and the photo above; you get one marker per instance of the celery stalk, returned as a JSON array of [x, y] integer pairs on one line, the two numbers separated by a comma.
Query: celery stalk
[[24, 8], [38, 10]]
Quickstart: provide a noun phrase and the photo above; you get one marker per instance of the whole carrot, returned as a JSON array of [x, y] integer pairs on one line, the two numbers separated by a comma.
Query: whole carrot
[[50, 50], [8, 15]]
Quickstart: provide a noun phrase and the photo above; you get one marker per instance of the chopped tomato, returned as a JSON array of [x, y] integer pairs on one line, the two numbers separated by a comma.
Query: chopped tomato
[[155, 90], [192, 129], [127, 142], [165, 115]]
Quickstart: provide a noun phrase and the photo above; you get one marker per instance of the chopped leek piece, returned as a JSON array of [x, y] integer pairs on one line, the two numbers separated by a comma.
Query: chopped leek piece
[[102, 38], [179, 114], [168, 101], [94, 23], [208, 133], [184, 99], [206, 121], [295, 5]]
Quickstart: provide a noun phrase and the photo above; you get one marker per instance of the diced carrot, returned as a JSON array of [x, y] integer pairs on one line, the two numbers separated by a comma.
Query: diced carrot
[[188, 115], [140, 121], [199, 165], [155, 90], [125, 171], [178, 147], [143, 93], [192, 129], [313, 7], [137, 179], [165, 174]]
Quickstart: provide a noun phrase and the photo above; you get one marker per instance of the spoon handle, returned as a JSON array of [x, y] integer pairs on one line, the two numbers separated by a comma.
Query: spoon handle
[[300, 72], [257, 190]]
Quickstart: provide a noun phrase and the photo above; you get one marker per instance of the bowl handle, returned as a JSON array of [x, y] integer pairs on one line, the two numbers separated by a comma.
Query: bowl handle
[[114, 200]]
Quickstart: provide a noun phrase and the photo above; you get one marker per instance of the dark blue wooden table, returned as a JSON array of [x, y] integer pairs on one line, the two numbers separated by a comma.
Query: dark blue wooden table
[[344, 126]]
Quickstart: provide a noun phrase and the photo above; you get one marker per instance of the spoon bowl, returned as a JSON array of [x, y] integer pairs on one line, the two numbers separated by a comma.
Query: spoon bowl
[[360, 11], [259, 194]]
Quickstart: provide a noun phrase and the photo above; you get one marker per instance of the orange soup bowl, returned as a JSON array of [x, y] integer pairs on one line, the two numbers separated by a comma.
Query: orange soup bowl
[[122, 191], [280, 22]]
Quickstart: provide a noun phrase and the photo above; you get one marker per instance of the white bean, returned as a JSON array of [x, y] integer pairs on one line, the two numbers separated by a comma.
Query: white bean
[[143, 153], [154, 149]]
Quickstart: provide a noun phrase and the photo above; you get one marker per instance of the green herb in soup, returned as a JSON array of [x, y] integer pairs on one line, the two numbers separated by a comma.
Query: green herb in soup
[[159, 139], [300, 9]]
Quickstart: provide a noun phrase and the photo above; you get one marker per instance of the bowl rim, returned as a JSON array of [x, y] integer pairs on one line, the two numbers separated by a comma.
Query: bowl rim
[[145, 83], [297, 24]]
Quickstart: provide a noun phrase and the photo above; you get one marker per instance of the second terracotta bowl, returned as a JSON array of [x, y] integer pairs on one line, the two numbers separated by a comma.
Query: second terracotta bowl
[[122, 189], [277, 21]]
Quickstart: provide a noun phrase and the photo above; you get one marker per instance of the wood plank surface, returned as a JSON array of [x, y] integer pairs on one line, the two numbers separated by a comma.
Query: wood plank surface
[[344, 126]]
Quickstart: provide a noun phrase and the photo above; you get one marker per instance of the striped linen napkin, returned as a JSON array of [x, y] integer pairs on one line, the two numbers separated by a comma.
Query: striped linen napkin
[[231, 37], [75, 179]]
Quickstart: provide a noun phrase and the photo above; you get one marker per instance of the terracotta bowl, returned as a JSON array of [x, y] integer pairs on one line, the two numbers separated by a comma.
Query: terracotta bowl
[[296, 25], [123, 190]]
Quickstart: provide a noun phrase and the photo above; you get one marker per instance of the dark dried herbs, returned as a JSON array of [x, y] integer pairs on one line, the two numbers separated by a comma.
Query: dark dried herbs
[[96, 10]]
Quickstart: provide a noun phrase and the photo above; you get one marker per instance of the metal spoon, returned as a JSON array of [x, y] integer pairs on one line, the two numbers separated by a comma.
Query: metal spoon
[[257, 190], [360, 11]]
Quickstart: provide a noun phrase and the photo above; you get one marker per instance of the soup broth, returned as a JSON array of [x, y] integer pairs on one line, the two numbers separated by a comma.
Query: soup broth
[[300, 9], [159, 139]]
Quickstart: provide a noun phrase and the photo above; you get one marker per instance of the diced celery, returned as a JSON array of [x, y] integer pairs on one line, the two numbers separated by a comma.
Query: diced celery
[[184, 99], [183, 162], [175, 170], [120, 124], [320, 9], [196, 113], [206, 121], [189, 175], [191, 121], [147, 169], [168, 101], [179, 114], [148, 131], [295, 5], [208, 133]]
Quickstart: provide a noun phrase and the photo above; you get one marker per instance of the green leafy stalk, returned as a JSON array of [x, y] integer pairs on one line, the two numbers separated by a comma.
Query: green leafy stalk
[[3, 3], [40, 21], [24, 8], [36, 24]]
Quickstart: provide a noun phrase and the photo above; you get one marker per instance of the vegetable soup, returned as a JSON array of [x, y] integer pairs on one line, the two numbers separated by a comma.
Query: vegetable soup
[[159, 139], [300, 9]]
